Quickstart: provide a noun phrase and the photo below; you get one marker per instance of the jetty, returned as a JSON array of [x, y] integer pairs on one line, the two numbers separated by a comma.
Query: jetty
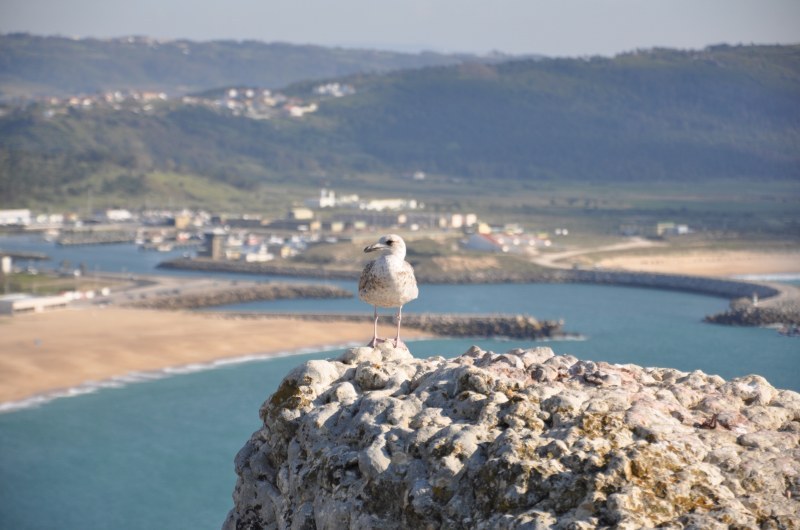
[[234, 293], [515, 326]]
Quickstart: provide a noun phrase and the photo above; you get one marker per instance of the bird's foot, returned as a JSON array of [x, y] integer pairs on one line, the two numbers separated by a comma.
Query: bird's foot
[[394, 342]]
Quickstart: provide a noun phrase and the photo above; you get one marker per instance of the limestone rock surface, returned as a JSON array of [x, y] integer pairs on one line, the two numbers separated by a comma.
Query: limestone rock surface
[[525, 439]]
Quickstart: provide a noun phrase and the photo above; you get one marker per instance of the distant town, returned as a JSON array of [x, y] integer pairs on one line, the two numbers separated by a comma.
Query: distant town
[[322, 219], [326, 218], [249, 102]]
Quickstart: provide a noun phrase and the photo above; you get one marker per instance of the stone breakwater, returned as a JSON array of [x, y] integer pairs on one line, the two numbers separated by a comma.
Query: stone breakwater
[[511, 326], [377, 439], [99, 237], [448, 325], [278, 269], [250, 293]]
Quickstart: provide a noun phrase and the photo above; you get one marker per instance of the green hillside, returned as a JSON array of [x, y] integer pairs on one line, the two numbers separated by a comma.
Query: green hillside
[[46, 66], [724, 113]]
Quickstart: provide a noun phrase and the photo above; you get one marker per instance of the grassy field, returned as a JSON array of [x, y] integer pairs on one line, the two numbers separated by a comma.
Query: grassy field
[[728, 209], [593, 213], [47, 284]]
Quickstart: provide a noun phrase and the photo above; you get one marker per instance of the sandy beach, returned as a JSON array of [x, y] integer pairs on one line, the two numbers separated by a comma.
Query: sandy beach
[[54, 350], [705, 263]]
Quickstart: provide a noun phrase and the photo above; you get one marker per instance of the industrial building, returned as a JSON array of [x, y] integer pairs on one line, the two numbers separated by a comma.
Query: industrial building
[[24, 303]]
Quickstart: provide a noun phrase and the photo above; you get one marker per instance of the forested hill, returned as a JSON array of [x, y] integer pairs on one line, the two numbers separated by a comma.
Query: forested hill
[[663, 114], [724, 112], [51, 66]]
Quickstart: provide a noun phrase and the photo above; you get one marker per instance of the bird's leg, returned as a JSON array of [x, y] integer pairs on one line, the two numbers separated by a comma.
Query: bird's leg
[[397, 341], [374, 341]]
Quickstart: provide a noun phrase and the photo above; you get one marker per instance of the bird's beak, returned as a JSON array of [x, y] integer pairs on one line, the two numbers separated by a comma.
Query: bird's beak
[[376, 246]]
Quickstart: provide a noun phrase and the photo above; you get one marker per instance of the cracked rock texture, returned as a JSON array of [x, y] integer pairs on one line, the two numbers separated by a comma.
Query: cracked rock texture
[[524, 439]]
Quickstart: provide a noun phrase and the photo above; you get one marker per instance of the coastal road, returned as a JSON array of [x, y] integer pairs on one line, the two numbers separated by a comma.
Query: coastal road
[[553, 260]]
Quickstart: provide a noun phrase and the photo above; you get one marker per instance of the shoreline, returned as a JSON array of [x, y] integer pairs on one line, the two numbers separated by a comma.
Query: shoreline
[[60, 350], [144, 376]]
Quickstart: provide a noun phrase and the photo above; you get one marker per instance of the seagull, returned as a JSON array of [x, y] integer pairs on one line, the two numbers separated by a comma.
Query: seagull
[[388, 281]]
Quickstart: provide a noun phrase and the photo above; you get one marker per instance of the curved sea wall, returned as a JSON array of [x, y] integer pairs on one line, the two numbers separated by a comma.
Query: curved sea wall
[[675, 282], [251, 293], [527, 439], [696, 284]]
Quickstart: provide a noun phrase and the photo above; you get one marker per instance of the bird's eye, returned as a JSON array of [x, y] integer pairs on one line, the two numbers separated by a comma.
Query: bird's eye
[[390, 242]]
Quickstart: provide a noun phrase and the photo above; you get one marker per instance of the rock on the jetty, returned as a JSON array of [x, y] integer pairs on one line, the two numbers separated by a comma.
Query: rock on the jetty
[[525, 439]]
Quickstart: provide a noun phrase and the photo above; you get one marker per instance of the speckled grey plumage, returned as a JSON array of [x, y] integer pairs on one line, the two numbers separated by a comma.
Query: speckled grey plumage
[[388, 281]]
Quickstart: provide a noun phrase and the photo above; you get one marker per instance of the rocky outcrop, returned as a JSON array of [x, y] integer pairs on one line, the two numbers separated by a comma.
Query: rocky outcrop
[[746, 313], [249, 293], [525, 439]]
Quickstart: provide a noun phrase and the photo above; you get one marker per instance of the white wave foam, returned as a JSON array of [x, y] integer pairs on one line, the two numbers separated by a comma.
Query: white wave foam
[[769, 277]]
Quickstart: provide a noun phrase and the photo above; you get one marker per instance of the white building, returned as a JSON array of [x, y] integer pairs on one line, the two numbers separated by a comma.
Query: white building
[[259, 255], [459, 220], [380, 205], [15, 217], [518, 244], [301, 214], [327, 199], [118, 215], [336, 90], [50, 219], [298, 111], [347, 201], [25, 303]]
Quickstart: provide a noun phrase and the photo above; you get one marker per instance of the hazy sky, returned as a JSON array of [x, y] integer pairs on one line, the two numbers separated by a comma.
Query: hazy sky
[[552, 27]]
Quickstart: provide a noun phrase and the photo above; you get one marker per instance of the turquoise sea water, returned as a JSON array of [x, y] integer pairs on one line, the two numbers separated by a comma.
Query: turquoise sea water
[[159, 454]]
